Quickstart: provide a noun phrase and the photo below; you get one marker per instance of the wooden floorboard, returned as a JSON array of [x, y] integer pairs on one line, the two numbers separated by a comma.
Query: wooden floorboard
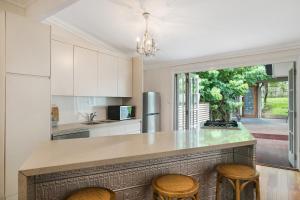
[[279, 184]]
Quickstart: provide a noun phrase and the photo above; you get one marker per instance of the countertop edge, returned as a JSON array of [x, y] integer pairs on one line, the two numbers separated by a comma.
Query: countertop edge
[[126, 159]]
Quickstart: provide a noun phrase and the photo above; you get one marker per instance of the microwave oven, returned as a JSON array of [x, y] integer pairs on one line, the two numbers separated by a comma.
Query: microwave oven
[[120, 112]]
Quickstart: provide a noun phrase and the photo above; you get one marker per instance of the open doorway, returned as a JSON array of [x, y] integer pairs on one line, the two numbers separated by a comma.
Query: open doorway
[[260, 97]]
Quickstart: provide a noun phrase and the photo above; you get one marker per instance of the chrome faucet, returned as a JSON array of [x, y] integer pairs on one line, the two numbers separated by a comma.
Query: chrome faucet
[[91, 116]]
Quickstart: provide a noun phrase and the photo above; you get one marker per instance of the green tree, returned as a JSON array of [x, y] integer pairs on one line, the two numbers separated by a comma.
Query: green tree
[[222, 88]]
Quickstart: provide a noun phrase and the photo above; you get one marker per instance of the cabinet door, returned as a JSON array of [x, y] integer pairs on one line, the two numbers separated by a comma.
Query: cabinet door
[[61, 69], [27, 122], [124, 78], [108, 75], [2, 100], [117, 129], [27, 46], [85, 72]]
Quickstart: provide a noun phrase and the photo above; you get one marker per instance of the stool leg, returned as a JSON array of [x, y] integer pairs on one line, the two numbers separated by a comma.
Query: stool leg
[[219, 178], [257, 188], [154, 196], [197, 196], [237, 190]]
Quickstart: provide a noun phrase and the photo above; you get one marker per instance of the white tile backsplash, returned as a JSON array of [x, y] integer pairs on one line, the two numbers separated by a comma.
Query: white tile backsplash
[[75, 109]]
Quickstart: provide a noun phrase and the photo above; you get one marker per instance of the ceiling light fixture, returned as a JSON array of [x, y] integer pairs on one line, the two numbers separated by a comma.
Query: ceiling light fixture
[[146, 46]]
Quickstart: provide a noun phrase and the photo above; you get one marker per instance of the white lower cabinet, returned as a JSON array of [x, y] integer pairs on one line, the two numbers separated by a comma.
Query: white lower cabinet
[[123, 129], [27, 123]]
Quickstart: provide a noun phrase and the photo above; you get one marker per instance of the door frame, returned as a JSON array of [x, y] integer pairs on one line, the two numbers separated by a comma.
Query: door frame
[[292, 148], [255, 103]]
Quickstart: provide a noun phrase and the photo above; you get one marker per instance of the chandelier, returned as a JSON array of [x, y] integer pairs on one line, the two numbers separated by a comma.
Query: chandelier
[[147, 45]]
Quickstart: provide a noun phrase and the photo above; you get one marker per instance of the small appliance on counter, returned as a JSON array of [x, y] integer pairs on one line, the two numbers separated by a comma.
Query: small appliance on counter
[[120, 112], [54, 116], [151, 112]]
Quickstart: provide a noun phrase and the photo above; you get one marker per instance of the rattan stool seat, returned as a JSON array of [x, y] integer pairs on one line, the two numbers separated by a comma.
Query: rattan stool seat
[[93, 193], [175, 186]]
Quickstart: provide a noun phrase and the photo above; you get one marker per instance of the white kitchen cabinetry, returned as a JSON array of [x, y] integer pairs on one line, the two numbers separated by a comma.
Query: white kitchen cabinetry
[[27, 45], [78, 71], [61, 68], [121, 129], [108, 75], [124, 78], [85, 72], [27, 122], [2, 101], [25, 94]]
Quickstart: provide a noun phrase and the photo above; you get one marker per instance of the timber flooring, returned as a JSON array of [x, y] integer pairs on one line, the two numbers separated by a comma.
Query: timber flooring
[[279, 184]]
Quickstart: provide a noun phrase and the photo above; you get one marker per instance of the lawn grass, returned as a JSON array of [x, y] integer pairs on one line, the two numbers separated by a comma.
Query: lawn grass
[[277, 107]]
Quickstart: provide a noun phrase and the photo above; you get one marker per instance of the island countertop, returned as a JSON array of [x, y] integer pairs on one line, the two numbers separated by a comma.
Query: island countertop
[[63, 155]]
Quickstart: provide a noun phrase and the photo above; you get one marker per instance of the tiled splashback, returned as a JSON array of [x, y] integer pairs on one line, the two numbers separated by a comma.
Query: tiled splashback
[[75, 109]]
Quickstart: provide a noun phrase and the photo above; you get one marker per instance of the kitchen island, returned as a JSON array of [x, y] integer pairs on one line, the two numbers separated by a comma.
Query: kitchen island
[[127, 163]]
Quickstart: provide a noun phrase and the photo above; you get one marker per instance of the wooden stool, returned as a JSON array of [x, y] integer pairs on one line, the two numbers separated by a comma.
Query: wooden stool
[[239, 176], [92, 193], [175, 186]]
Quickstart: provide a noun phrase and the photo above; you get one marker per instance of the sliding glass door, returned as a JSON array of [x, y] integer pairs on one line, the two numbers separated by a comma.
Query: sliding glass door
[[187, 99]]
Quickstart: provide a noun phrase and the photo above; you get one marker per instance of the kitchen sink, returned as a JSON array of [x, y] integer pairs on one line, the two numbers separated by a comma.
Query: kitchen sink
[[93, 123], [98, 122]]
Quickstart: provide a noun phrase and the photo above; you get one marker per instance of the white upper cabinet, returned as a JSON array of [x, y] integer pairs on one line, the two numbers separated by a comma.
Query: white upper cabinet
[[61, 69], [85, 72], [108, 75], [27, 46], [124, 78]]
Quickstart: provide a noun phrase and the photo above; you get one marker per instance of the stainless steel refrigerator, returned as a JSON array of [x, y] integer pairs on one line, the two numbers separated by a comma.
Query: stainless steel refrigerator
[[151, 112]]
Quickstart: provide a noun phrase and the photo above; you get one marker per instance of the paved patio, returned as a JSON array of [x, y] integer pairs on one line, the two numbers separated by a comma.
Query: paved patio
[[266, 126], [272, 140]]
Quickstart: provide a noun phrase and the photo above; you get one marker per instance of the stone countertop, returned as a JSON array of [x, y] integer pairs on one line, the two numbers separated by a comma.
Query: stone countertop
[[63, 155], [73, 127]]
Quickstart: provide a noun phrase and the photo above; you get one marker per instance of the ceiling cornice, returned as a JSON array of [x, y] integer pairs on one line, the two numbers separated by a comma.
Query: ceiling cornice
[[287, 48], [22, 4], [82, 34]]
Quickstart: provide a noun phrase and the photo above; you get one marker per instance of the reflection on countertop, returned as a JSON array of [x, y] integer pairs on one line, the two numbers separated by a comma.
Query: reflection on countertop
[[81, 126]]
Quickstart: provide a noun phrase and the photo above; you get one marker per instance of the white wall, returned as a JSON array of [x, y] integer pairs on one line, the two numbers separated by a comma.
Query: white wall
[[73, 36], [160, 80], [74, 109], [282, 69]]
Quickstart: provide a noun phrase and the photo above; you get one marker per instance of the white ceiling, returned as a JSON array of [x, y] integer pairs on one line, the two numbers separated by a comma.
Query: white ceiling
[[188, 28]]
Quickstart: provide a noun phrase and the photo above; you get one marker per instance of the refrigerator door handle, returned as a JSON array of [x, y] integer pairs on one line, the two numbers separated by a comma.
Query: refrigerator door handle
[[152, 114]]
